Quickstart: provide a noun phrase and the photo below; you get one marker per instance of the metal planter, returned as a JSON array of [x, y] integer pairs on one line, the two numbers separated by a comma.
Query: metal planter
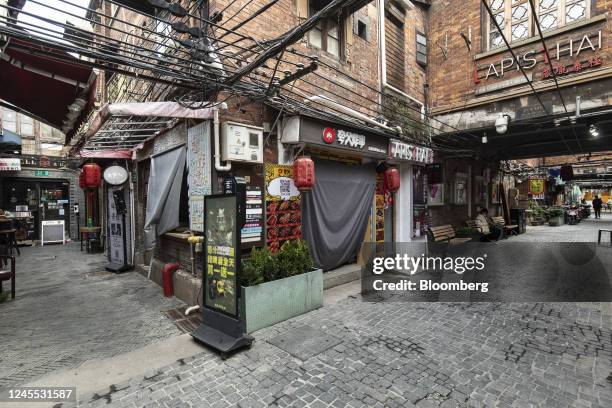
[[272, 302]]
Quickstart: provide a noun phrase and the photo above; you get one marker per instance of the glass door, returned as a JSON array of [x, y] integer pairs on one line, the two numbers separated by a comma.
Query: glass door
[[55, 202]]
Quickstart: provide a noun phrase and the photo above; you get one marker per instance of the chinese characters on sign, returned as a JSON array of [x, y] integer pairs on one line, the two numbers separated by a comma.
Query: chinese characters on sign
[[575, 48], [198, 176], [221, 254], [561, 69], [10, 164], [252, 230], [536, 186], [283, 206]]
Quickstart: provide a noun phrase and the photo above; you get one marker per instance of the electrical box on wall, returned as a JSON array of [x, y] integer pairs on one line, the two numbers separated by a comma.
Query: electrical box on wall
[[240, 142]]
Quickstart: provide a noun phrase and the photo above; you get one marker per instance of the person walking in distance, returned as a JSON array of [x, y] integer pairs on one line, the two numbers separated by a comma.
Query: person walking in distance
[[597, 203]]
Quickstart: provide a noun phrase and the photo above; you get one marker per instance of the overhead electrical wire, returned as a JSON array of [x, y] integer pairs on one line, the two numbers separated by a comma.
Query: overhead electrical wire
[[117, 58], [552, 70], [269, 4], [516, 60]]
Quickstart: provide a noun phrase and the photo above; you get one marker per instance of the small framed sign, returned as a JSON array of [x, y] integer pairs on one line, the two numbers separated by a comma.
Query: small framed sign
[[52, 232]]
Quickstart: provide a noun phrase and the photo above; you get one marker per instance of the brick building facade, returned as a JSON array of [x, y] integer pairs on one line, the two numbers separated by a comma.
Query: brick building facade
[[474, 79]]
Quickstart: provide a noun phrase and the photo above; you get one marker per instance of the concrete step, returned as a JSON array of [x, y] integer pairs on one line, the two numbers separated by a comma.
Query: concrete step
[[341, 275]]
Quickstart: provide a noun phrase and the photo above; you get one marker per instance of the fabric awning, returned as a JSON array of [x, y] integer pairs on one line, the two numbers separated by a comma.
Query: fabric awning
[[37, 81], [127, 125], [106, 154], [10, 138]]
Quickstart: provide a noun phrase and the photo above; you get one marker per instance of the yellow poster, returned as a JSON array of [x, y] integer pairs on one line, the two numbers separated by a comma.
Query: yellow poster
[[536, 186], [279, 183]]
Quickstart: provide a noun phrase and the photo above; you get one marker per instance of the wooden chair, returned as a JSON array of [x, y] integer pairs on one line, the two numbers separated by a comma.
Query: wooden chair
[[8, 237], [446, 233], [508, 229], [7, 274]]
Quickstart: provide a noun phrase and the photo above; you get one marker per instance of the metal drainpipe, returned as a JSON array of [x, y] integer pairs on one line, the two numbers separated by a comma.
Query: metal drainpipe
[[218, 166]]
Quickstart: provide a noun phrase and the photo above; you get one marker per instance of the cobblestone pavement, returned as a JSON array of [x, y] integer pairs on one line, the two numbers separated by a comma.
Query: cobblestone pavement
[[585, 231], [69, 310], [400, 355], [361, 354]]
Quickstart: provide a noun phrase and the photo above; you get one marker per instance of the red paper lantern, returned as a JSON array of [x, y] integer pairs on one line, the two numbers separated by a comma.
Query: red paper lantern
[[82, 180], [91, 175], [304, 173], [392, 179]]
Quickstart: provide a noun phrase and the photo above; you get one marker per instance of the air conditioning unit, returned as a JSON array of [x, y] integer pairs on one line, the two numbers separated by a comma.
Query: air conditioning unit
[[240, 142]]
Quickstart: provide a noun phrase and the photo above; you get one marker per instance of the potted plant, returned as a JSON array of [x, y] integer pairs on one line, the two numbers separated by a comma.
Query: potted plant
[[555, 216], [468, 232], [277, 286]]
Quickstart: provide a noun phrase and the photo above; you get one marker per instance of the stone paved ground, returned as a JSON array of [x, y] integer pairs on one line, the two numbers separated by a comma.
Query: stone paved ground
[[585, 231], [370, 354], [69, 310], [402, 355], [405, 354]]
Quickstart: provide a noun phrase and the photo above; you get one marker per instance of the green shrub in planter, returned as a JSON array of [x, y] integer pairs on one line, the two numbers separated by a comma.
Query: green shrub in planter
[[292, 259], [556, 212], [555, 216]]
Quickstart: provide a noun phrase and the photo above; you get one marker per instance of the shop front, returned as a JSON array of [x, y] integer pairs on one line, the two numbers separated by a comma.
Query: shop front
[[411, 198], [351, 203], [42, 191]]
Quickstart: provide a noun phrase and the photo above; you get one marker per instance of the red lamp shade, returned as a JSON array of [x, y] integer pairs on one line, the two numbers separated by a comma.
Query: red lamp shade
[[91, 176], [304, 173], [392, 179]]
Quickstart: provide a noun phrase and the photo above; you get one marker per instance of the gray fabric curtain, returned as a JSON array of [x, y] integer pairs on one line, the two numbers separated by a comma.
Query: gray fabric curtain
[[164, 194], [335, 213]]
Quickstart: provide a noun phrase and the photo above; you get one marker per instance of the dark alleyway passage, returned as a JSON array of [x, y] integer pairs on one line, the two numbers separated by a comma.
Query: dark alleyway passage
[[69, 309]]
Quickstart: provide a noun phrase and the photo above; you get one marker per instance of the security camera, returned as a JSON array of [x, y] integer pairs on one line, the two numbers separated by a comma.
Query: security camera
[[501, 123]]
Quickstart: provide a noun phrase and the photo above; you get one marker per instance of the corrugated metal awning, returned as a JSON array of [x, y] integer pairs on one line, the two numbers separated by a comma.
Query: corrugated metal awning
[[127, 125]]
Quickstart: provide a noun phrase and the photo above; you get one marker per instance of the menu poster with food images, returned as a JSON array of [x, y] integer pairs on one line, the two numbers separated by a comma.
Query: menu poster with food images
[[283, 206], [221, 260]]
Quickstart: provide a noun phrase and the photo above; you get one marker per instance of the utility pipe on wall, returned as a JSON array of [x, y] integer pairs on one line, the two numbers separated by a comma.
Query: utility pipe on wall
[[323, 100], [383, 58], [218, 166]]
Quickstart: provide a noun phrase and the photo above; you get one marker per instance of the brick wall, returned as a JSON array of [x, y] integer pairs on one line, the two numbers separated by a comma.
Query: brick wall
[[451, 70], [454, 214]]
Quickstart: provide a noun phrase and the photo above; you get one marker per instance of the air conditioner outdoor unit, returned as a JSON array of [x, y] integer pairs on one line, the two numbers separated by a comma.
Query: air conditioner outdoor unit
[[240, 142]]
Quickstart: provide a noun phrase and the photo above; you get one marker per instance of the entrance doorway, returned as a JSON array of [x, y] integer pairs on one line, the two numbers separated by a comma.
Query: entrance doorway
[[35, 201]]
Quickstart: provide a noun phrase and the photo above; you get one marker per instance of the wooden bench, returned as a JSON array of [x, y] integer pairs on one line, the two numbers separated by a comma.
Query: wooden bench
[[509, 229], [446, 233], [7, 274], [472, 224]]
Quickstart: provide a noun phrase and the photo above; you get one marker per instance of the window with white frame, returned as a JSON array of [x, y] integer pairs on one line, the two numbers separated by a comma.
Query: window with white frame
[[516, 19], [326, 34], [9, 120], [26, 125]]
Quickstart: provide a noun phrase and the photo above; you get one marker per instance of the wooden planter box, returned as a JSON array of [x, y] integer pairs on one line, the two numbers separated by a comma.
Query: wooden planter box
[[272, 302]]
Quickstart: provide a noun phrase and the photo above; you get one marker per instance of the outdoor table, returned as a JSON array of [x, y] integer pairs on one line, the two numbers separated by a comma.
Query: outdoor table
[[599, 235], [88, 233]]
